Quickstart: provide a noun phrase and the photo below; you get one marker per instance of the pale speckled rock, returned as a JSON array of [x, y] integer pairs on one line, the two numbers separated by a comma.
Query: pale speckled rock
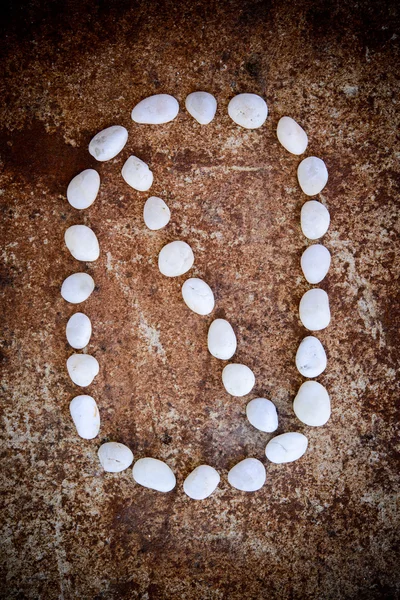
[[238, 379], [154, 474], [115, 457], [176, 258], [221, 339], [292, 137], [198, 296], [137, 174], [314, 310], [83, 189], [314, 219], [262, 414], [86, 416], [315, 263], [311, 357], [77, 287], [312, 175], [154, 110], [286, 447], [248, 475], [248, 110], [156, 213], [312, 404], [82, 242], [201, 482], [78, 331], [108, 143], [82, 368], [202, 106]]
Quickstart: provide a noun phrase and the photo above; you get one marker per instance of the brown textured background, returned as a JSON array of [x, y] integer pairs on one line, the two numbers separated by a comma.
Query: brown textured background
[[324, 527]]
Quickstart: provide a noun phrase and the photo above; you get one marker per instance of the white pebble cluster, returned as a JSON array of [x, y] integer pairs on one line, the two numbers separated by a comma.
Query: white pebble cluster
[[312, 402]]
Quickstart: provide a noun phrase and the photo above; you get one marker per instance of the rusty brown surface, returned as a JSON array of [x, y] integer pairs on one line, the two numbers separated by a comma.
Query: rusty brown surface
[[324, 527]]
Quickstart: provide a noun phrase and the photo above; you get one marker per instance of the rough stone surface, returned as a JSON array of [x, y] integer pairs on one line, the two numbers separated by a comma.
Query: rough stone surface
[[321, 527]]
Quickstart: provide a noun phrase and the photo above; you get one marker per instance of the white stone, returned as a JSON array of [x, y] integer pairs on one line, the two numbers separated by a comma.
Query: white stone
[[78, 331], [238, 379], [82, 368], [292, 137], [137, 174], [312, 404], [108, 143], [157, 109], [83, 189], [248, 476], [312, 175], [315, 263], [262, 414], [201, 482], [82, 242], [154, 474], [286, 447], [198, 296], [314, 219], [176, 258], [77, 287], [221, 339], [314, 310], [311, 357], [86, 416], [248, 110], [115, 457], [156, 213], [202, 106]]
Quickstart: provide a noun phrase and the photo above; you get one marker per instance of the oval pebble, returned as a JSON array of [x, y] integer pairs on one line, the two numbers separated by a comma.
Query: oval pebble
[[77, 287], [312, 404], [315, 263], [154, 474], [137, 174], [82, 242], [311, 358], [176, 258], [248, 110], [83, 189], [198, 296], [312, 175], [314, 219], [248, 475], [154, 110], [262, 414], [156, 213], [201, 482], [86, 416], [314, 310], [78, 331], [82, 368], [221, 339], [292, 137], [115, 457], [108, 143], [286, 447], [202, 106], [238, 379]]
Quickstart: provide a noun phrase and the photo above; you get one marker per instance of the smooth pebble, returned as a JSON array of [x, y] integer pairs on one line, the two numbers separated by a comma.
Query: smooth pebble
[[108, 143], [83, 189], [82, 368], [82, 242], [221, 339], [156, 213], [238, 379], [154, 474], [312, 175], [286, 447], [198, 296], [315, 263], [78, 331], [176, 258], [201, 482], [248, 475], [314, 310], [202, 106], [154, 110], [292, 137], [314, 219], [77, 287], [86, 416], [137, 174], [312, 404], [262, 414], [311, 358], [248, 110], [115, 457]]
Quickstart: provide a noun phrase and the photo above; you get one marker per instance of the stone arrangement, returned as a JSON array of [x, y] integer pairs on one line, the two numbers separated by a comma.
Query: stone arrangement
[[312, 402]]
